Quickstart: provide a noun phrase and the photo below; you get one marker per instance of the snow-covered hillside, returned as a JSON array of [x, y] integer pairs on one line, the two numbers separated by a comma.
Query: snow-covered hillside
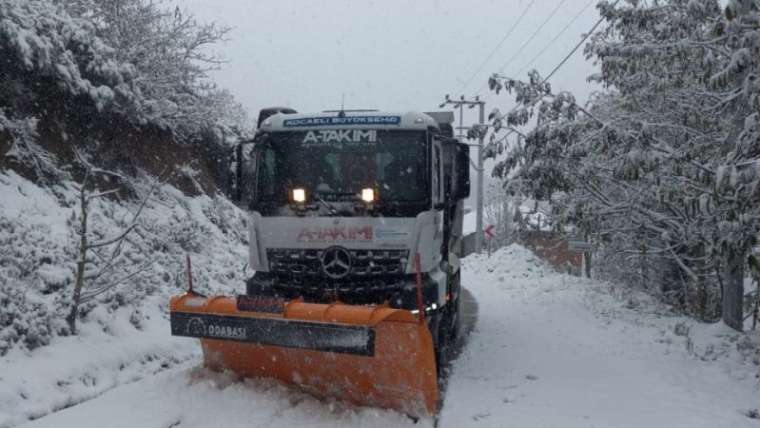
[[547, 350], [123, 336]]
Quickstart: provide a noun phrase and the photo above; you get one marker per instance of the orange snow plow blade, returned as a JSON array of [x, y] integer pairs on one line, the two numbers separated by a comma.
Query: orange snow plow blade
[[366, 355]]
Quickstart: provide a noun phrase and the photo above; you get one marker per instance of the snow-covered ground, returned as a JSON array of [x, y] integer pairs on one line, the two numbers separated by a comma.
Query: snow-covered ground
[[77, 369], [553, 350], [547, 350]]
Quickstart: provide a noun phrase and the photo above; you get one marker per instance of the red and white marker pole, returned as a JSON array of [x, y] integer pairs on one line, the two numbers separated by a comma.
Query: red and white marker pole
[[490, 235]]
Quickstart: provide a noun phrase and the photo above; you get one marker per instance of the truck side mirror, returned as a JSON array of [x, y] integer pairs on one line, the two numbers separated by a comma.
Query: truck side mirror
[[244, 164], [463, 171], [235, 190]]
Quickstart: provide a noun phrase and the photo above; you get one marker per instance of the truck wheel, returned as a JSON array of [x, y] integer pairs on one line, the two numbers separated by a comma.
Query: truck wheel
[[454, 321], [448, 331], [447, 334], [437, 326]]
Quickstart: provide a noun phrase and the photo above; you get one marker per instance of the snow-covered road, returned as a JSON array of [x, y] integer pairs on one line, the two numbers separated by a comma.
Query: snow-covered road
[[558, 351], [547, 350]]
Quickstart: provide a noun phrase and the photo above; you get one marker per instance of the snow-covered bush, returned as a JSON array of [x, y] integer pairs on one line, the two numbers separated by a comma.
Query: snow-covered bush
[[189, 235], [33, 276], [24, 149], [26, 318]]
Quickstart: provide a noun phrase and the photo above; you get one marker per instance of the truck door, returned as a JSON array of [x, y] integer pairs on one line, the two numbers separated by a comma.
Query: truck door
[[440, 204], [437, 175]]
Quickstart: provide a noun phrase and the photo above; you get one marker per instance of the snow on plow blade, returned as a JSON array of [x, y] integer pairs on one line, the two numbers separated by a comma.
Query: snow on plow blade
[[367, 355]]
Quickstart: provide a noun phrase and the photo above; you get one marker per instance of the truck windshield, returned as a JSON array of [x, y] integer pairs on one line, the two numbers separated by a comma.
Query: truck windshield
[[336, 165]]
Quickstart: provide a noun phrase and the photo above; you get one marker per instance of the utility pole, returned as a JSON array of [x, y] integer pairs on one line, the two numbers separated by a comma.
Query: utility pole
[[460, 104]]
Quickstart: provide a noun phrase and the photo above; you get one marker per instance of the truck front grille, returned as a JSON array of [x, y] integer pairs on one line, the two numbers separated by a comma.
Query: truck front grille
[[364, 263]]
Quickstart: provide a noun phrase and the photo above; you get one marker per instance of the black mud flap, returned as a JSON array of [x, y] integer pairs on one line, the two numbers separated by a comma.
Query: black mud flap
[[344, 339]]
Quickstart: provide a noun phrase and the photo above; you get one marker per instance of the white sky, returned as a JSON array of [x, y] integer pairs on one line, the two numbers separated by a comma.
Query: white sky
[[387, 54]]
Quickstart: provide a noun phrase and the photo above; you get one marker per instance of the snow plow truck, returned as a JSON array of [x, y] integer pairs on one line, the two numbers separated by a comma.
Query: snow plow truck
[[355, 240]]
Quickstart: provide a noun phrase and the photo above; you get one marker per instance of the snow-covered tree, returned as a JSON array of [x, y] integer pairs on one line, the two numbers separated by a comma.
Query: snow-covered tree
[[661, 167], [171, 54], [134, 58]]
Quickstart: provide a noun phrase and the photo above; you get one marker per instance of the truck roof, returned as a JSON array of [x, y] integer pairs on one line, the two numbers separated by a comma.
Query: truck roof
[[333, 120]]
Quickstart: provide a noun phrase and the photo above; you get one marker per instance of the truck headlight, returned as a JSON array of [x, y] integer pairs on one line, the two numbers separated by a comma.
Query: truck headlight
[[298, 195], [368, 195]]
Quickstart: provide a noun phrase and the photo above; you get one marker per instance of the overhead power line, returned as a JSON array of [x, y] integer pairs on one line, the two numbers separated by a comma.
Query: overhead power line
[[564, 60], [551, 42], [580, 43], [496, 48], [527, 42]]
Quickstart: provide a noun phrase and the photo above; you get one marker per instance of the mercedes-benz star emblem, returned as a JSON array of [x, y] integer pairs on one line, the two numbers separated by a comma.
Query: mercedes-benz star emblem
[[336, 262]]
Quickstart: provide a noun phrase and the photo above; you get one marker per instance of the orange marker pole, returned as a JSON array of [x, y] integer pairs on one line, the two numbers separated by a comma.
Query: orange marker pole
[[189, 275]]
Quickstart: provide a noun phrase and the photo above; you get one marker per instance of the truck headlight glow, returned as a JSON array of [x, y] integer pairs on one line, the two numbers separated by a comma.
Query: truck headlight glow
[[298, 195], [368, 195]]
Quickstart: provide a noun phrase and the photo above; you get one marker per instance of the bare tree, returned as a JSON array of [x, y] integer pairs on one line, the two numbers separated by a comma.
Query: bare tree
[[97, 260]]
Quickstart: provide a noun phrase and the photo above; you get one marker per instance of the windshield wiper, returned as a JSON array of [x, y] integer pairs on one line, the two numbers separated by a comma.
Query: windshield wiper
[[331, 207]]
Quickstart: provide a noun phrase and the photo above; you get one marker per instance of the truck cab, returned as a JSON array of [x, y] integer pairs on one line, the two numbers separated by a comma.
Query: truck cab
[[352, 206]]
